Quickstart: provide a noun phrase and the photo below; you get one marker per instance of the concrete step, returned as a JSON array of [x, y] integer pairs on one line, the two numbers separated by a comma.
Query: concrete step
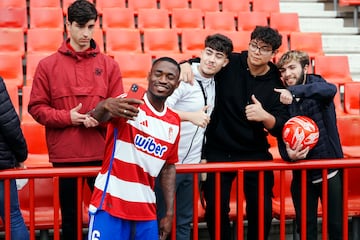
[[307, 9], [332, 26]]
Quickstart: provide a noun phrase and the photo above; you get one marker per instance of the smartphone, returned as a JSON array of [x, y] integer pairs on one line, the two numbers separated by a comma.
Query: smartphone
[[136, 91]]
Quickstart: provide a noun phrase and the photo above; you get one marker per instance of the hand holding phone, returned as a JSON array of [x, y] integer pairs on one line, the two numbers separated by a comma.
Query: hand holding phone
[[136, 92]]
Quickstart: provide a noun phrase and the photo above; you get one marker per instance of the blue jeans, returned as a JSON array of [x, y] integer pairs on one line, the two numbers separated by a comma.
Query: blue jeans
[[184, 205], [18, 227]]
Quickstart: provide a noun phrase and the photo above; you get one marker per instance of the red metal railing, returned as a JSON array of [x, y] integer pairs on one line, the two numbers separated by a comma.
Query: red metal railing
[[217, 168]]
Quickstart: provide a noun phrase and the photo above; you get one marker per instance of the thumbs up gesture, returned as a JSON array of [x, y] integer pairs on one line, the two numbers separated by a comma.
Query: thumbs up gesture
[[255, 111]]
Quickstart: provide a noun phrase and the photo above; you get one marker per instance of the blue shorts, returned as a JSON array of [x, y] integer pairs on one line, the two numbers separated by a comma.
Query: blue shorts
[[103, 226]]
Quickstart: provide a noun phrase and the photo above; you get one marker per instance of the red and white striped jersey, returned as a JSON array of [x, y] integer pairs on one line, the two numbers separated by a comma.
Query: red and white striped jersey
[[139, 151]]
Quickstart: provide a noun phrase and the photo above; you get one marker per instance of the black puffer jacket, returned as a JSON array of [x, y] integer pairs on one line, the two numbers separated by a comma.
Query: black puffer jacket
[[13, 148]]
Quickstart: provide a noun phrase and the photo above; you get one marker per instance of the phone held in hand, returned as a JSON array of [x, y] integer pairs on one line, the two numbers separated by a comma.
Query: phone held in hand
[[136, 91]]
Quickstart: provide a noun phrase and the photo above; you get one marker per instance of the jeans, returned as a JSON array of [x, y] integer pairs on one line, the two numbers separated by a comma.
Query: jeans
[[251, 185], [184, 205], [18, 227], [313, 193], [68, 198]]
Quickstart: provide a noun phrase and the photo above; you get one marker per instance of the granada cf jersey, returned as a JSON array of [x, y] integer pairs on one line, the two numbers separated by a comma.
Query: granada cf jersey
[[135, 152]]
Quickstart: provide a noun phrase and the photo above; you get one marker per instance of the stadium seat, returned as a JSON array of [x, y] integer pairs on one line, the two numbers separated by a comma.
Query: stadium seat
[[99, 39], [34, 134], [129, 64], [11, 69], [67, 3], [285, 22], [101, 4], [46, 17], [235, 6], [352, 98], [25, 115], [13, 92], [193, 40], [334, 69], [170, 5], [349, 131], [289, 211], [12, 41], [44, 3], [161, 41], [46, 40], [240, 39], [13, 3], [179, 57], [247, 21], [284, 47], [117, 18], [32, 60], [131, 70], [310, 42], [205, 6], [184, 18], [129, 40], [352, 3], [137, 4], [44, 203], [220, 21], [266, 6], [149, 18], [353, 192], [13, 18]]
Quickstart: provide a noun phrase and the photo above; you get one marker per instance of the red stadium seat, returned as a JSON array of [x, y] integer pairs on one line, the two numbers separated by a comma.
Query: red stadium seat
[[184, 18], [11, 69], [240, 39], [353, 192], [289, 210], [46, 40], [13, 3], [46, 17], [310, 42], [205, 6], [161, 41], [130, 67], [44, 3], [193, 40], [32, 60], [170, 5], [349, 131], [285, 23], [138, 4], [11, 17], [101, 4], [13, 92], [117, 18], [220, 21], [235, 6], [150, 18], [334, 69], [247, 21], [266, 6], [352, 98], [128, 42], [12, 41]]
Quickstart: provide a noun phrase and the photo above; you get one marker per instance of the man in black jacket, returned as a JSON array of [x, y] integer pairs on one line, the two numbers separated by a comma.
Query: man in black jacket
[[310, 95], [13, 153], [246, 110]]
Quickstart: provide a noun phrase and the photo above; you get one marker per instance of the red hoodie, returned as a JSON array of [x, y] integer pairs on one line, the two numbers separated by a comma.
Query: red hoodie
[[62, 81]]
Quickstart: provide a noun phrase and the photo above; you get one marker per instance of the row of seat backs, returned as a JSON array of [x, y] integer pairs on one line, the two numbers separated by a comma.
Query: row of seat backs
[[209, 5], [157, 18]]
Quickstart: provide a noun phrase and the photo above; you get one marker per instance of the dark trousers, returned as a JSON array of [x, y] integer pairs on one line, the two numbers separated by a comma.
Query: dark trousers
[[313, 194], [68, 198], [251, 184]]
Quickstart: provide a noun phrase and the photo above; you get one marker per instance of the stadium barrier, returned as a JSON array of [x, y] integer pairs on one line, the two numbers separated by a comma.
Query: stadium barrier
[[349, 165]]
